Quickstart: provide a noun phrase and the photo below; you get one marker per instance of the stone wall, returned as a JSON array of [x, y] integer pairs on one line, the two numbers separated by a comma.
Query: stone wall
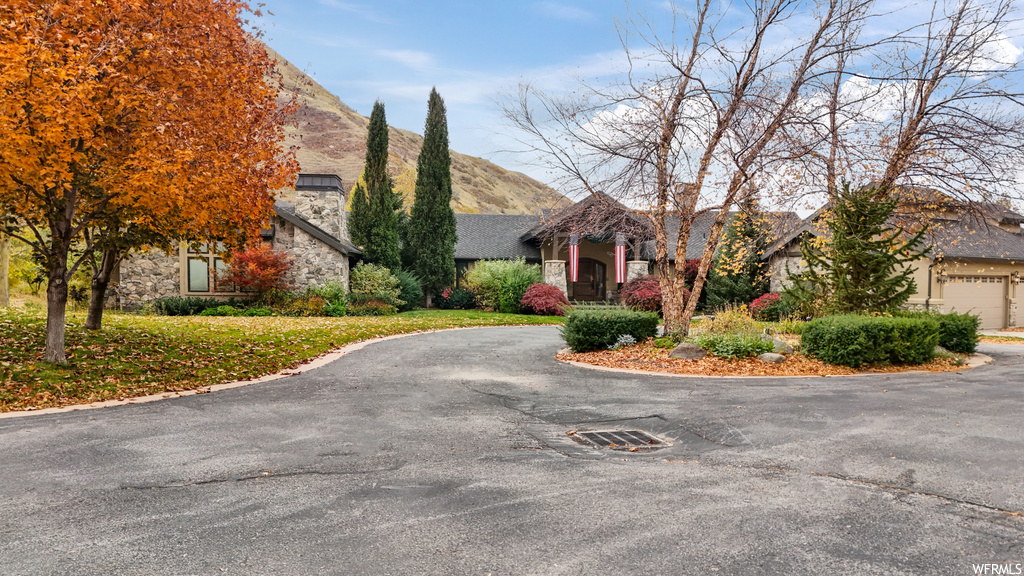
[[146, 276], [315, 262], [779, 275], [325, 209]]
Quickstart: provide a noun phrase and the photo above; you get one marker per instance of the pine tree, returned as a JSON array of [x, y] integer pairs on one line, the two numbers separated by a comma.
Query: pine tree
[[432, 221], [357, 219], [381, 225], [864, 267], [738, 275]]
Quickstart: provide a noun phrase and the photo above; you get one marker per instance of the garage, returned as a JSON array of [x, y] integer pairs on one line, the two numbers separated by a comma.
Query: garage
[[983, 296]]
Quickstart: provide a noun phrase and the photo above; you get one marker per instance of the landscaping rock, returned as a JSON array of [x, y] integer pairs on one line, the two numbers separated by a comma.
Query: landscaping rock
[[772, 358], [687, 351], [781, 347]]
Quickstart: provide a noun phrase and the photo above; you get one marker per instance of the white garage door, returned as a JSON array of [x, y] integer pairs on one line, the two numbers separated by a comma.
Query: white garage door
[[983, 296]]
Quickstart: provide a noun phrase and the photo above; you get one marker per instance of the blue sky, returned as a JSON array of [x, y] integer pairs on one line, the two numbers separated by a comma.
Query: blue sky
[[395, 50]]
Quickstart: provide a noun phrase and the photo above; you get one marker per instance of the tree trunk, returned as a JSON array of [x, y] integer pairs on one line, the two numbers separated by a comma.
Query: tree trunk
[[98, 294], [5, 271], [56, 309], [427, 293]]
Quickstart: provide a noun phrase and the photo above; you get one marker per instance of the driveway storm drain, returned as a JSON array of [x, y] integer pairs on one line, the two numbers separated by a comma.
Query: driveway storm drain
[[631, 440]]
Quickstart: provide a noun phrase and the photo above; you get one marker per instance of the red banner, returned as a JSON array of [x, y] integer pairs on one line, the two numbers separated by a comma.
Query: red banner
[[620, 257], [574, 257]]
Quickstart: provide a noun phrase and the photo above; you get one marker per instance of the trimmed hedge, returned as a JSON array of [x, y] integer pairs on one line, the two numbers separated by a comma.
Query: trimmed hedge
[[958, 332], [854, 341], [588, 329], [190, 305]]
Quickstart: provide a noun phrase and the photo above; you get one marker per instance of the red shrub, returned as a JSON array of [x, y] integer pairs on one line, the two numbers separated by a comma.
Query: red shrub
[[642, 293], [544, 299], [259, 269], [767, 307], [690, 269]]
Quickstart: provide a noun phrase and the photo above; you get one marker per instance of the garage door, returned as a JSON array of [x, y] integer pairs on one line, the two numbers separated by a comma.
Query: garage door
[[983, 296]]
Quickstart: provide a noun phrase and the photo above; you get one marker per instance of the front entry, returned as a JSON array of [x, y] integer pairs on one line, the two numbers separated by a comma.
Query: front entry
[[590, 281]]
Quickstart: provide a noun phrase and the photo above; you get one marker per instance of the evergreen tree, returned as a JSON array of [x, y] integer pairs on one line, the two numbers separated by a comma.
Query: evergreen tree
[[358, 217], [864, 267], [739, 275], [432, 221], [381, 225]]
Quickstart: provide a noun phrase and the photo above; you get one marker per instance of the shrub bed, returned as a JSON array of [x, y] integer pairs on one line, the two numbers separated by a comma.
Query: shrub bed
[[501, 284], [958, 332], [643, 293], [374, 291], [733, 345], [544, 299], [189, 305], [853, 340], [456, 299], [770, 307], [599, 328]]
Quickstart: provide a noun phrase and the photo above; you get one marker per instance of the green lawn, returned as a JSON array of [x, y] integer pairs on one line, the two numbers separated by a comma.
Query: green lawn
[[136, 355]]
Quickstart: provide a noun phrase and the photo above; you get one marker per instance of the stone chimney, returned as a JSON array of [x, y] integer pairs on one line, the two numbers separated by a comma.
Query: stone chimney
[[321, 199]]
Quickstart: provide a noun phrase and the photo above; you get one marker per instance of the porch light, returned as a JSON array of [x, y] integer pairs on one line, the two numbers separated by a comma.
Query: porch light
[[1015, 277], [943, 277]]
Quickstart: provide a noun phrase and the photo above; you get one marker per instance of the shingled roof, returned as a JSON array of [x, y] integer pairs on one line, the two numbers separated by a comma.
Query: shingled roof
[[971, 237], [701, 228], [494, 236], [288, 213]]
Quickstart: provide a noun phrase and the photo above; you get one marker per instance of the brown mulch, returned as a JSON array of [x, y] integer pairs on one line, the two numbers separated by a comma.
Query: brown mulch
[[647, 357], [1003, 339]]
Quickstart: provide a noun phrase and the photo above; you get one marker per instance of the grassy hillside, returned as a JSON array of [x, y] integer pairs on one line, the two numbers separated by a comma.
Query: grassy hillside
[[332, 139]]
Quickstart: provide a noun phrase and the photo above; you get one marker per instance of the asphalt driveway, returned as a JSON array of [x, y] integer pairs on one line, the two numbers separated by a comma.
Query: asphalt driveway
[[448, 453]]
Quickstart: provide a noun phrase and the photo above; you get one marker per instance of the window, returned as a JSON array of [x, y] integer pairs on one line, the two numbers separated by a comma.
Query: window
[[206, 270]]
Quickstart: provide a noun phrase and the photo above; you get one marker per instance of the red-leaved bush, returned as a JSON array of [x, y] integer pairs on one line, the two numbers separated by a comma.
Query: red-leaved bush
[[544, 299], [260, 269], [644, 293], [767, 307]]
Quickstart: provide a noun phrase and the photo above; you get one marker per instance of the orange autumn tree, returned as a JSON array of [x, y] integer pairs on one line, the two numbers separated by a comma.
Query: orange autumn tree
[[133, 122]]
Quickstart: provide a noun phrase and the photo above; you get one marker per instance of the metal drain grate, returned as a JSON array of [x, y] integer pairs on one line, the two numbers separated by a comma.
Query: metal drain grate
[[621, 439]]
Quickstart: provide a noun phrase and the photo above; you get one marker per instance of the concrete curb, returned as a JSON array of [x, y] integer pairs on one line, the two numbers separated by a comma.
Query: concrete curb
[[973, 361], [317, 362]]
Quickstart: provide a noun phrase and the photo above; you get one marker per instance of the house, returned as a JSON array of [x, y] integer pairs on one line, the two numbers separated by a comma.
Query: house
[[974, 265], [590, 225], [312, 229]]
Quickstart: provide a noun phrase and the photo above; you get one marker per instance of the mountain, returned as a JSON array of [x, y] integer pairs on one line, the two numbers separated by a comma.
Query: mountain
[[331, 138]]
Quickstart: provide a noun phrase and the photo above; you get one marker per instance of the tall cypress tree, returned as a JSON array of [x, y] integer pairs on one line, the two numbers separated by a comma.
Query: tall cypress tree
[[381, 226], [358, 218], [432, 221]]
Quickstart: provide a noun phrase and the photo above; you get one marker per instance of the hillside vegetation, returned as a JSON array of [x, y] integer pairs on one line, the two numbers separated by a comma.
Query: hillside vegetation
[[332, 139]]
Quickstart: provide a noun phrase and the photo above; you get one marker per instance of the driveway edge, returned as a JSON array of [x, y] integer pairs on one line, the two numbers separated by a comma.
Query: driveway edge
[[316, 362]]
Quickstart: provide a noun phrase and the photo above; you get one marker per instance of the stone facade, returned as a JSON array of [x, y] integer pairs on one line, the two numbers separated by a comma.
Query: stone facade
[[319, 200], [145, 276], [636, 269], [324, 209], [554, 274], [315, 263]]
